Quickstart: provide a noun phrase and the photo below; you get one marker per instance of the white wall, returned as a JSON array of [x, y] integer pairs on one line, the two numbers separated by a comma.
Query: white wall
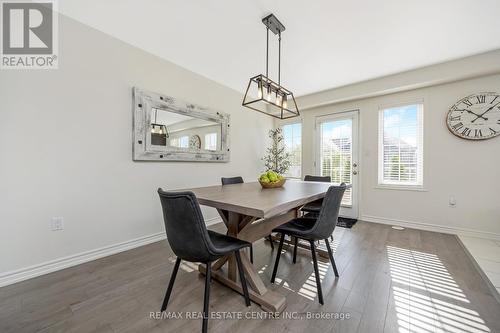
[[65, 148], [467, 170]]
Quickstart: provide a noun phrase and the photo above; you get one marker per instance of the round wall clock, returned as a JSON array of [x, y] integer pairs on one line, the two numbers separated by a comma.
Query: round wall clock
[[195, 142], [475, 117]]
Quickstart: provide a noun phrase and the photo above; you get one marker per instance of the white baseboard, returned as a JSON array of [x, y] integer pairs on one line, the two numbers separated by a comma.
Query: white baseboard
[[26, 273], [431, 227], [76, 259]]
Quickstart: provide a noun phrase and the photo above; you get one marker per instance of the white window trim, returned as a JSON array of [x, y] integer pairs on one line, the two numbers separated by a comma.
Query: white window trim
[[294, 121], [381, 184], [417, 188]]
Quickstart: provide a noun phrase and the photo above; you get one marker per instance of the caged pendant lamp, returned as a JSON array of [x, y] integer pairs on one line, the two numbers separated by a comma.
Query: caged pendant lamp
[[265, 95], [159, 133]]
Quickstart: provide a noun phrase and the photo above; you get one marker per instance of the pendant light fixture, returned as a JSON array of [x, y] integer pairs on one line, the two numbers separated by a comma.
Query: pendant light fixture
[[265, 95], [159, 133]]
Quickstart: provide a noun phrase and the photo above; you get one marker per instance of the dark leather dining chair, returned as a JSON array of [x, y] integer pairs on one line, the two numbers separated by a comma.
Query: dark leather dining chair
[[314, 207], [231, 180], [239, 180], [321, 229], [190, 240]]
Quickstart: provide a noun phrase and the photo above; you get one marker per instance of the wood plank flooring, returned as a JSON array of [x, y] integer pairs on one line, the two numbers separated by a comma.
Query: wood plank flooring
[[390, 281]]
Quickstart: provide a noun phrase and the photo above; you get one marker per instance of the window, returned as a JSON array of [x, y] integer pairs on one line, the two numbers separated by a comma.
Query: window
[[401, 146], [292, 133], [211, 141], [180, 142]]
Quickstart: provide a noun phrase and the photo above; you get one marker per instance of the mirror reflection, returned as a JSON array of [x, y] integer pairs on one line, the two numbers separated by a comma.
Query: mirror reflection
[[170, 129]]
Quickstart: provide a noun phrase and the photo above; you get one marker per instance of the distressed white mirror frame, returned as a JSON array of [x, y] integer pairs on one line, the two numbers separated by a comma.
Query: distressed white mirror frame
[[144, 102]]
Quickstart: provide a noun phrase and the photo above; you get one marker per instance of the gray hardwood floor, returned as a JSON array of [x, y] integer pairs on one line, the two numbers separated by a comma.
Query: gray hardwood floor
[[390, 281]]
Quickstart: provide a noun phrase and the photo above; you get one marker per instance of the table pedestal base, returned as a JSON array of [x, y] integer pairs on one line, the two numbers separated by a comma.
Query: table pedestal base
[[269, 301], [250, 229]]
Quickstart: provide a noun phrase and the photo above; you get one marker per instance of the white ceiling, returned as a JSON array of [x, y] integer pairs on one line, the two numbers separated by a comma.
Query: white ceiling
[[327, 43]]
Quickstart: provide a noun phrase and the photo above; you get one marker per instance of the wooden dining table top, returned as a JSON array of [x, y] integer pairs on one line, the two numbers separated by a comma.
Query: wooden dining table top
[[253, 200]]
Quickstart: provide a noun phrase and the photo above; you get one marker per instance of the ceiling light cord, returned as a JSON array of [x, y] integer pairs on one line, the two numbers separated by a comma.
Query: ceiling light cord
[[267, 52], [279, 58]]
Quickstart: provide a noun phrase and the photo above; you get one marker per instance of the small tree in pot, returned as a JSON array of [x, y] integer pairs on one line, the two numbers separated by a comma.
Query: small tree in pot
[[277, 158]]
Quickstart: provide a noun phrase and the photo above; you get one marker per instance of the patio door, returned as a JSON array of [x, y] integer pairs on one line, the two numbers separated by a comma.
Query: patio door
[[336, 148]]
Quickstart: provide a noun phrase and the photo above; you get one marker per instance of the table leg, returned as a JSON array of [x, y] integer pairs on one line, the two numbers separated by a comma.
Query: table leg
[[219, 263], [232, 230], [249, 229]]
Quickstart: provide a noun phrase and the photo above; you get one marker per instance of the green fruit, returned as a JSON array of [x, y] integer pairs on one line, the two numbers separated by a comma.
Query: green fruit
[[263, 178]]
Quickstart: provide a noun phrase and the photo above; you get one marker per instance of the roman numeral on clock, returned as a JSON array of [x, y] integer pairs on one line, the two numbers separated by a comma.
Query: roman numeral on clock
[[456, 118], [492, 131], [458, 126], [466, 131], [478, 133], [481, 98], [467, 102]]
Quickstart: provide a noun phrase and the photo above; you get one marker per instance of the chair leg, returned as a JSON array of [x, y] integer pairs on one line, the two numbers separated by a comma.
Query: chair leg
[[331, 237], [204, 327], [271, 241], [170, 284], [295, 249], [330, 254], [251, 254], [242, 278], [278, 254], [316, 272]]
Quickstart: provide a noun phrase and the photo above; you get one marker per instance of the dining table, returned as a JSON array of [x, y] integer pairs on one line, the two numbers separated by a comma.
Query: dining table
[[250, 213]]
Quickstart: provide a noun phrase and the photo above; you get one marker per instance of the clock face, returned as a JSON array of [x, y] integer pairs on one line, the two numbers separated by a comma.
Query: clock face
[[475, 117], [195, 142]]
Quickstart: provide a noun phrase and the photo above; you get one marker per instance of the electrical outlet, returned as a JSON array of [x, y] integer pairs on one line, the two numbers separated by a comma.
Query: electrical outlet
[[57, 224]]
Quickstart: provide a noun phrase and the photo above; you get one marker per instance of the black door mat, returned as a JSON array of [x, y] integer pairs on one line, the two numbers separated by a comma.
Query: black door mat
[[346, 222]]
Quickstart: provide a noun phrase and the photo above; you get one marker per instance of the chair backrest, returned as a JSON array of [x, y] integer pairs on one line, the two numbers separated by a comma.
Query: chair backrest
[[231, 180], [329, 213], [186, 230], [325, 179]]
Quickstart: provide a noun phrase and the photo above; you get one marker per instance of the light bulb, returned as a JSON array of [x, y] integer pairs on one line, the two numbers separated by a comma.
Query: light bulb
[[285, 104], [259, 92], [278, 99], [269, 95]]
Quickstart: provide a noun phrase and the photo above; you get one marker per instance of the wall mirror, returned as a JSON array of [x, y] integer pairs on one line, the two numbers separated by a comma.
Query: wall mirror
[[168, 129]]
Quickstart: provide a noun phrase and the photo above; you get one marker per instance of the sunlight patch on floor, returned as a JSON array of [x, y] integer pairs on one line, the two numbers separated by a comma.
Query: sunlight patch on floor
[[427, 298], [308, 288]]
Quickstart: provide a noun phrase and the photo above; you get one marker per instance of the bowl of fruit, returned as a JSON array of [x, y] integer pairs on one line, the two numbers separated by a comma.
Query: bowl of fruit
[[271, 179]]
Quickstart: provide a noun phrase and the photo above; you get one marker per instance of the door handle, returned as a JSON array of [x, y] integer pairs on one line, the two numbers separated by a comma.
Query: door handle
[[354, 165], [355, 172]]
